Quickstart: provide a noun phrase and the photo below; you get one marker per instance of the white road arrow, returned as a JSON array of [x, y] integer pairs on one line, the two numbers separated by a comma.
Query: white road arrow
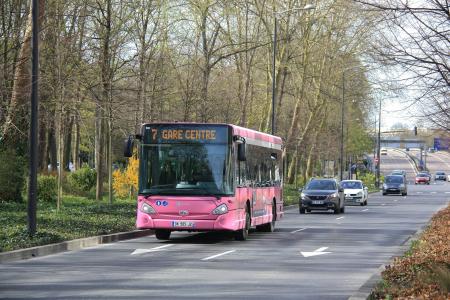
[[315, 252], [142, 251]]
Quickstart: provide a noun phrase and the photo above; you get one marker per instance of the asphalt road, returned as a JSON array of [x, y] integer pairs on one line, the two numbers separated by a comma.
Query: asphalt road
[[214, 266], [437, 161], [397, 160]]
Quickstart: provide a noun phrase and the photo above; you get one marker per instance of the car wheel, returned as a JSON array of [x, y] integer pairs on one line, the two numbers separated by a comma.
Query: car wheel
[[242, 234], [337, 210], [384, 194], [302, 210], [162, 234], [404, 194], [365, 202], [343, 209], [361, 204]]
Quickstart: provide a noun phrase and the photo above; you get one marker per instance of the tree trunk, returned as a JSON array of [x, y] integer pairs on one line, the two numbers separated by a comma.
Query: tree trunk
[[76, 144], [67, 143], [18, 106]]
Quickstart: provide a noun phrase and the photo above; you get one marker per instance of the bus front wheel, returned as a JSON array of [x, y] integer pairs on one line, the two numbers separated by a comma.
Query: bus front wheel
[[242, 234], [162, 234]]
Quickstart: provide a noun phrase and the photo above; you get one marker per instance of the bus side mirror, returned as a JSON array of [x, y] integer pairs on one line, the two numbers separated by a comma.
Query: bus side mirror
[[128, 147], [241, 152]]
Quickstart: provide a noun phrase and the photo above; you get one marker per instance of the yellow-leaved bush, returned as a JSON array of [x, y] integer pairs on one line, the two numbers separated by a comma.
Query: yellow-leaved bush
[[125, 182]]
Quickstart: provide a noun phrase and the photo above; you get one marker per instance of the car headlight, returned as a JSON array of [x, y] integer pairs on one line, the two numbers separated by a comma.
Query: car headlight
[[385, 185], [220, 210], [302, 196], [147, 208], [359, 194], [402, 186], [334, 195]]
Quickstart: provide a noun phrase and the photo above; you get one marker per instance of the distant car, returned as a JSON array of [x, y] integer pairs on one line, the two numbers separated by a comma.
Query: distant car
[[355, 192], [422, 178], [440, 176], [431, 150], [407, 149], [395, 184], [428, 174], [399, 172], [383, 151], [322, 194]]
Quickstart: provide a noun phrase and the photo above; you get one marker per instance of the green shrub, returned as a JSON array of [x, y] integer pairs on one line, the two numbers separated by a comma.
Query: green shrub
[[12, 176], [82, 180], [47, 188]]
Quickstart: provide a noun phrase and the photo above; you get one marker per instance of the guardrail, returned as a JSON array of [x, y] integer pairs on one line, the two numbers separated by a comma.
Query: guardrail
[[412, 158]]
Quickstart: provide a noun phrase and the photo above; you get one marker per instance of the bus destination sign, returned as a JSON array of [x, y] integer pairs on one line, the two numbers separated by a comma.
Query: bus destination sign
[[185, 134]]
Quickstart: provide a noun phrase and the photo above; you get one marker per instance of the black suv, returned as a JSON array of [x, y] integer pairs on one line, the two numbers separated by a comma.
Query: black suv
[[322, 194]]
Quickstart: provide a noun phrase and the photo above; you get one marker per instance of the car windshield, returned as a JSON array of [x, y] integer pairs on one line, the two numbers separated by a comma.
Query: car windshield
[[422, 175], [321, 185], [351, 185], [393, 179], [186, 169], [440, 173]]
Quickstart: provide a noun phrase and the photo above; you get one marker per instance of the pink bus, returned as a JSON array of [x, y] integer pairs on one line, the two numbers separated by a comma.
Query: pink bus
[[208, 177]]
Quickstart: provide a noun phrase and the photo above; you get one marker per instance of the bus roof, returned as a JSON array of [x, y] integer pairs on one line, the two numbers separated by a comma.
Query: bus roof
[[238, 130]]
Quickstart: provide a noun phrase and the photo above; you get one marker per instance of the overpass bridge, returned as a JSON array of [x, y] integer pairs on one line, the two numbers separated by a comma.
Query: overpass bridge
[[390, 142]]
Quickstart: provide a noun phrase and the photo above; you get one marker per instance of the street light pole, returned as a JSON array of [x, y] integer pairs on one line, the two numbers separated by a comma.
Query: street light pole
[[32, 187], [274, 53], [275, 28], [378, 148], [341, 167]]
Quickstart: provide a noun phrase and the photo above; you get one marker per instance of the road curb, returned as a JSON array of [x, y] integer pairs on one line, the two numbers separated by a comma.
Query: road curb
[[365, 291], [77, 244]]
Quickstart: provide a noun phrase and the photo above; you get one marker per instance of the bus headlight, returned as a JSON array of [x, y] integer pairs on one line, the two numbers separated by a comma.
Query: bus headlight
[[147, 208], [220, 210]]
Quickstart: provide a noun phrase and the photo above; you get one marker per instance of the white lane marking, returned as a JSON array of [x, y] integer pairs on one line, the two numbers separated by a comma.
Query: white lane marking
[[395, 200], [433, 192], [383, 204], [447, 192], [419, 192], [141, 251], [365, 209], [217, 255], [301, 229], [315, 252], [340, 218]]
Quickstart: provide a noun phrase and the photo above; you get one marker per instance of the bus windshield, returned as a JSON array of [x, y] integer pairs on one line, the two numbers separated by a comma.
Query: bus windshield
[[186, 169]]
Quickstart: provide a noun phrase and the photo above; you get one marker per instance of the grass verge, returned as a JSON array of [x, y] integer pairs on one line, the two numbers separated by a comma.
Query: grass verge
[[424, 270], [78, 218], [290, 194]]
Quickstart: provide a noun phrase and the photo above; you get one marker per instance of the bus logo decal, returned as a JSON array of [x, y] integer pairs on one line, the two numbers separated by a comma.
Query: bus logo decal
[[183, 213]]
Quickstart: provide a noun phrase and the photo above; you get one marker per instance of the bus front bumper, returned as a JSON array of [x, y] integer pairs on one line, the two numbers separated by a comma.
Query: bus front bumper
[[223, 222]]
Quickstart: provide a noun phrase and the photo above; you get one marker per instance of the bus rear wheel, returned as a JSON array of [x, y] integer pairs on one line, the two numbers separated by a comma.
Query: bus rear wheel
[[162, 234], [242, 234], [269, 227]]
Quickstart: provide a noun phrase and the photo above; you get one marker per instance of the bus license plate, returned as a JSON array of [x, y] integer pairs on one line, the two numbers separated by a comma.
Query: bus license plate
[[182, 224], [317, 202]]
